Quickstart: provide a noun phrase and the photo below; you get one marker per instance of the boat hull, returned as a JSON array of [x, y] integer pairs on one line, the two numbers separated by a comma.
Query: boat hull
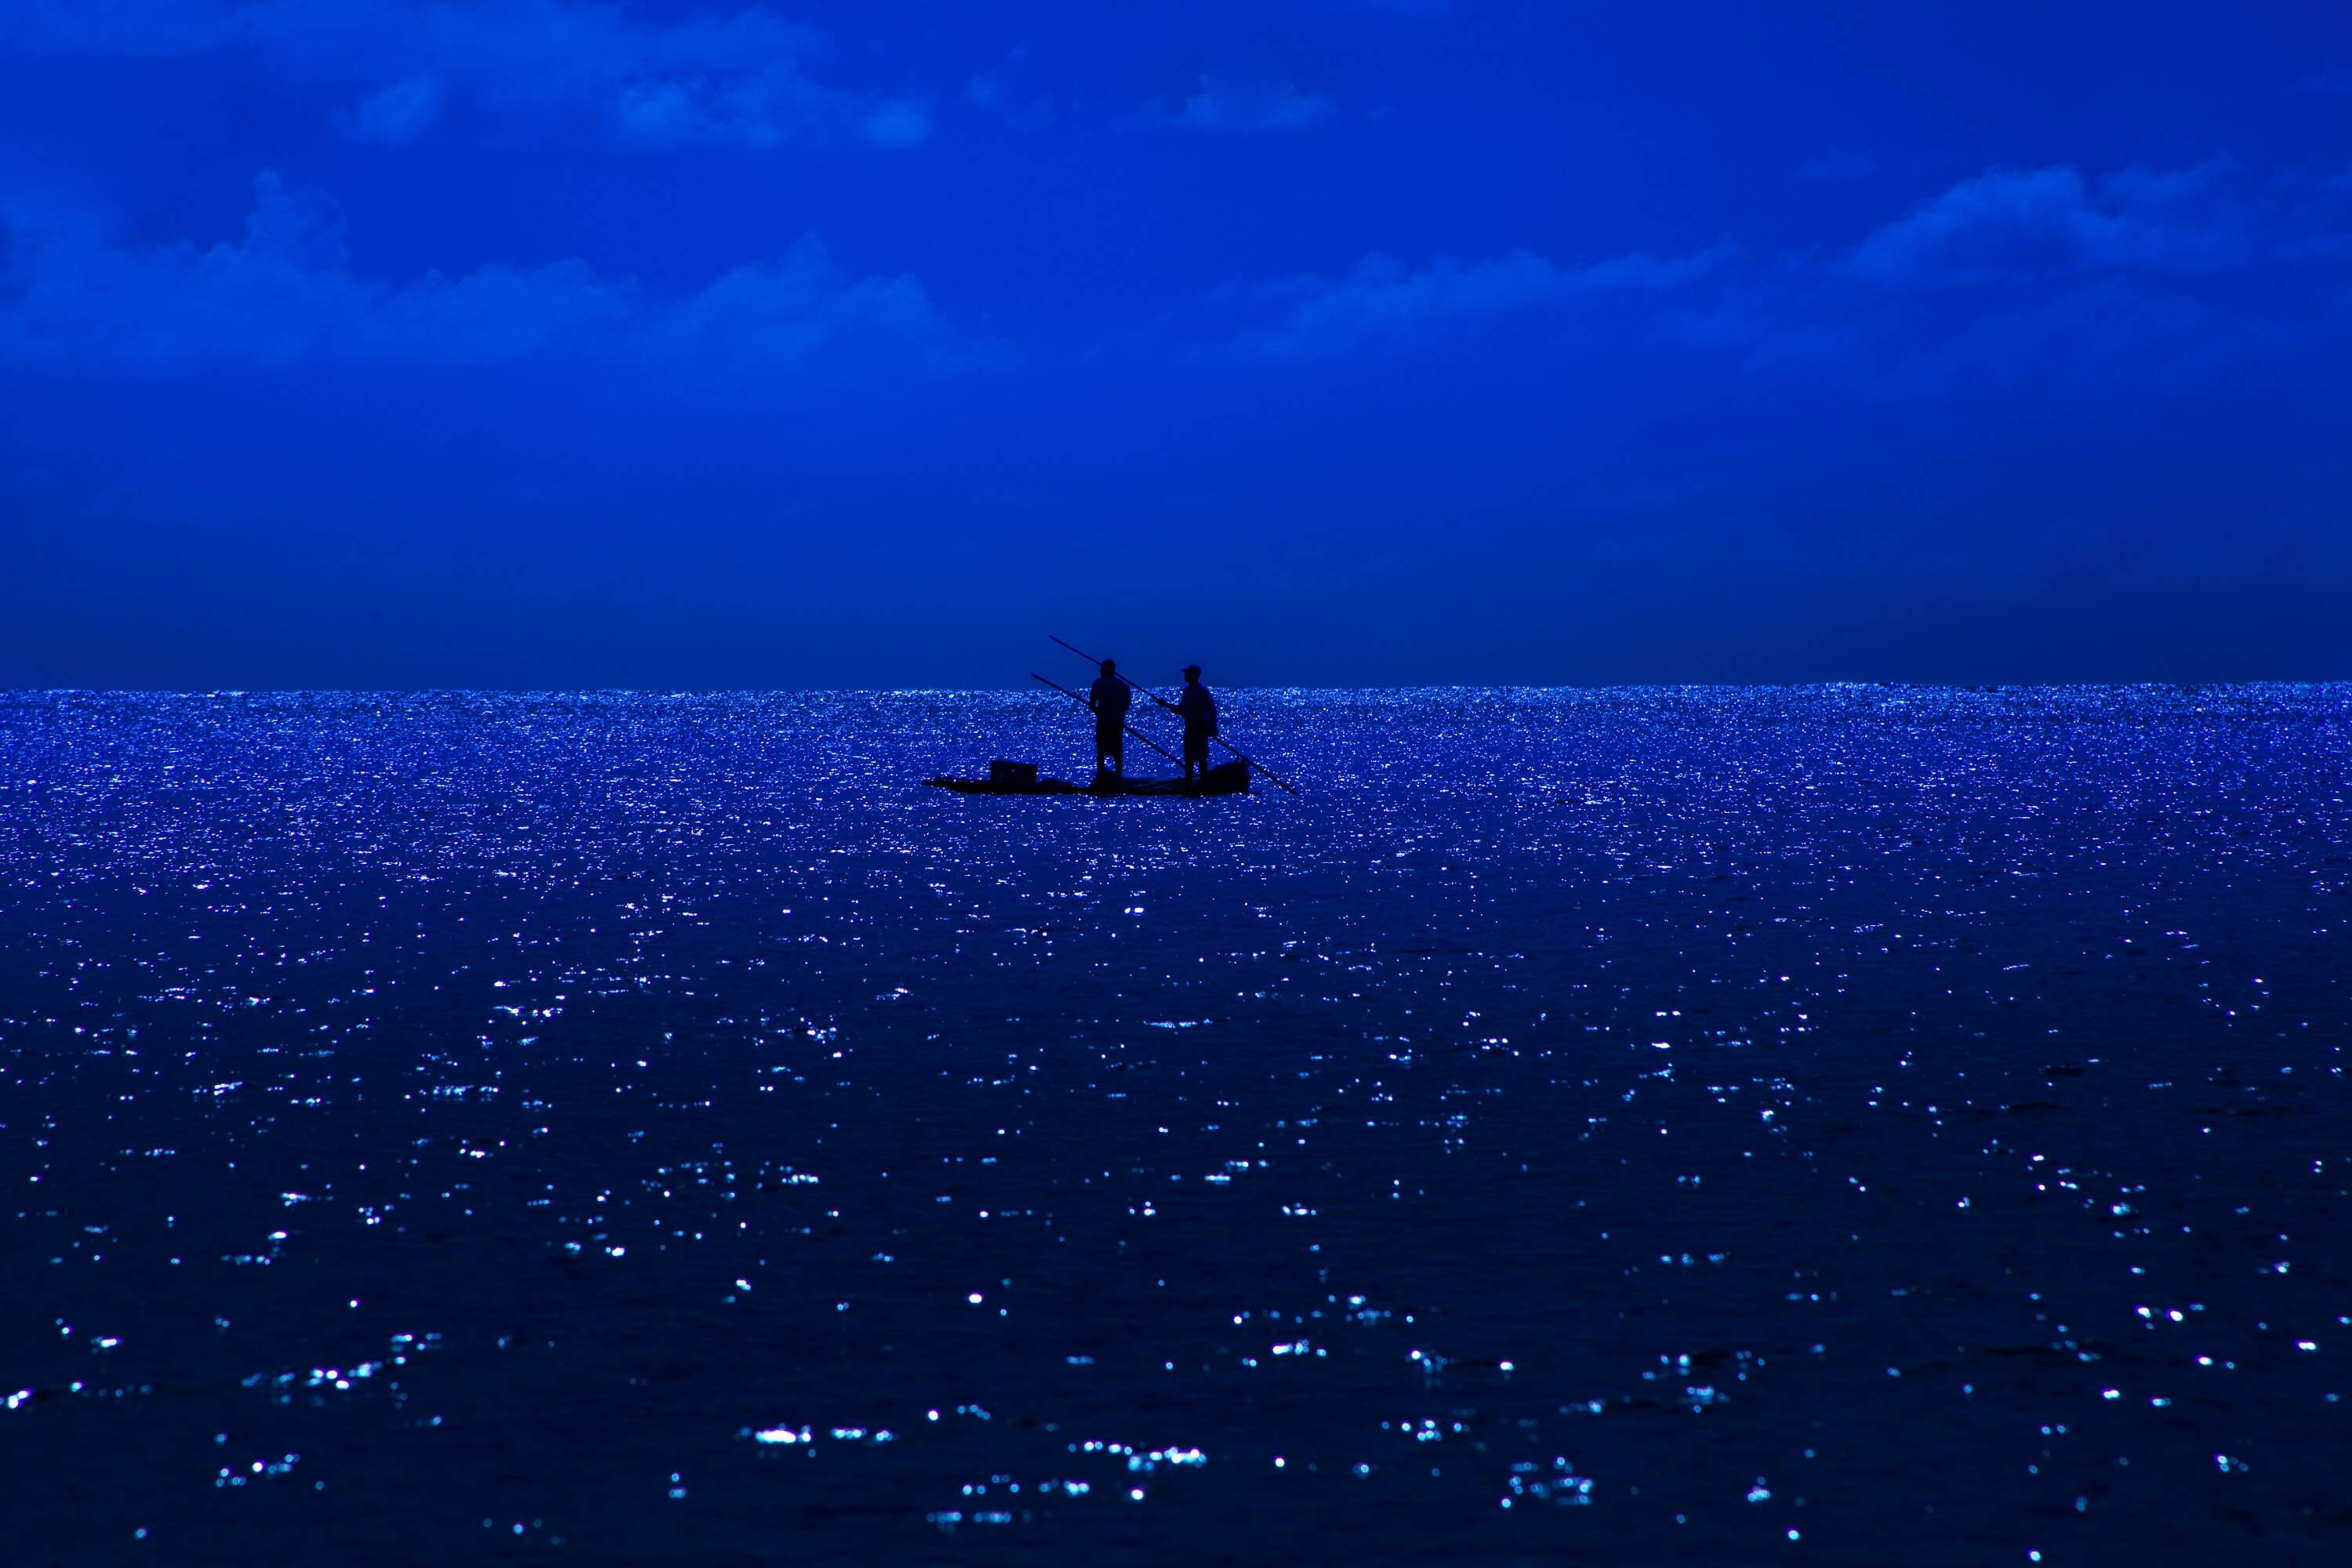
[[1226, 778]]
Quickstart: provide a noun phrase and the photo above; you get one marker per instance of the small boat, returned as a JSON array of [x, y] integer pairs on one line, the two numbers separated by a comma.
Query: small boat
[[1021, 778]]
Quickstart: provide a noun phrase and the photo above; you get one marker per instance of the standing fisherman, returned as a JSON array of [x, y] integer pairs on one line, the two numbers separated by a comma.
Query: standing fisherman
[[1199, 711], [1110, 698]]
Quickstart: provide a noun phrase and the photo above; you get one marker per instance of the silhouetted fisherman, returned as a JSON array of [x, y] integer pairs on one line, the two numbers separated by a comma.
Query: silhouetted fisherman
[[1199, 711], [1110, 698]]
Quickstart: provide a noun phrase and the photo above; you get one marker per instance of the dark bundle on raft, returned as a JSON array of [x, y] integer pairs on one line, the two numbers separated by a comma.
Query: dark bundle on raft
[[1226, 778]]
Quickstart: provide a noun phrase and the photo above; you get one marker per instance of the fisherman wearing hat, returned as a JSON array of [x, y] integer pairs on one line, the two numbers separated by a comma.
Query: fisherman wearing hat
[[1199, 711]]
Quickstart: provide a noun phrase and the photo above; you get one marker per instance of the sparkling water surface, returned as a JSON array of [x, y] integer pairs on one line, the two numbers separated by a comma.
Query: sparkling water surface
[[1842, 1125]]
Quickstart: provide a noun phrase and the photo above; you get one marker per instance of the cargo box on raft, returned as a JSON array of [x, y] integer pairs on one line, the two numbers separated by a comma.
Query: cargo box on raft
[[1021, 778]]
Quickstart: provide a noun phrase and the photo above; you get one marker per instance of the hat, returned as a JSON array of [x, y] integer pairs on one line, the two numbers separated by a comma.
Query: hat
[[1192, 669]]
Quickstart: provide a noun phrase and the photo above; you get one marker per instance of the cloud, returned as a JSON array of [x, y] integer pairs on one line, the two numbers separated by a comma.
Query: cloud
[[401, 113], [802, 311], [2196, 281], [2015, 223], [550, 68], [1240, 101], [755, 109], [285, 293], [898, 122], [1383, 298], [1014, 89], [2200, 280]]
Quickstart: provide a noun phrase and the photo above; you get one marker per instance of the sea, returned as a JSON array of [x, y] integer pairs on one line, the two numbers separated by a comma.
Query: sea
[[1837, 1124]]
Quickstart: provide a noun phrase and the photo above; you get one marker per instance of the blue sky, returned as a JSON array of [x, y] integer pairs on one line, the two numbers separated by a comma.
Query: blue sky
[[539, 343]]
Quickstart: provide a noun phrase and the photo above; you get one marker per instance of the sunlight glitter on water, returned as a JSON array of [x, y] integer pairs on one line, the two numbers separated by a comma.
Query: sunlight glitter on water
[[1750, 1116]]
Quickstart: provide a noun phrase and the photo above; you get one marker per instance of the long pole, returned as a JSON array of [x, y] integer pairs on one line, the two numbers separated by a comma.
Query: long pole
[[1129, 728], [1220, 740]]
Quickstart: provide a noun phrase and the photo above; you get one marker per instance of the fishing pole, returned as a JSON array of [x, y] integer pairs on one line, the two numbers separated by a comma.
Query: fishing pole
[[1129, 728], [1220, 740]]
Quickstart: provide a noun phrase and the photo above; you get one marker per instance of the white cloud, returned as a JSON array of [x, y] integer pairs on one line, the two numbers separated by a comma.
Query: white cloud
[[401, 113], [1383, 298], [898, 122], [284, 292], [2017, 223], [2137, 282], [759, 110], [544, 67], [1239, 102], [803, 311]]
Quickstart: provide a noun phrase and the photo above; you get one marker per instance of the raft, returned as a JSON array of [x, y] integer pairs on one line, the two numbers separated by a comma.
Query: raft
[[1226, 778]]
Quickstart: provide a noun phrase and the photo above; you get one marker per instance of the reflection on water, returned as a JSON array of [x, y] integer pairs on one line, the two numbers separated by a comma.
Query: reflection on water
[[1712, 1125]]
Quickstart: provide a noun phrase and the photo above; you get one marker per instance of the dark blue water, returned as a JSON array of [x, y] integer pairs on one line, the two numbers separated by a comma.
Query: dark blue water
[[1849, 1125]]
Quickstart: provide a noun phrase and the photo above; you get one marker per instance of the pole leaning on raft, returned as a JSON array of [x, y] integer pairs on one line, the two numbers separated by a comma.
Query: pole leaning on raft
[[1129, 728], [1252, 762]]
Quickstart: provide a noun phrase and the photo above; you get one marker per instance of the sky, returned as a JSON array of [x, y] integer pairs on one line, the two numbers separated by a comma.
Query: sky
[[538, 344]]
